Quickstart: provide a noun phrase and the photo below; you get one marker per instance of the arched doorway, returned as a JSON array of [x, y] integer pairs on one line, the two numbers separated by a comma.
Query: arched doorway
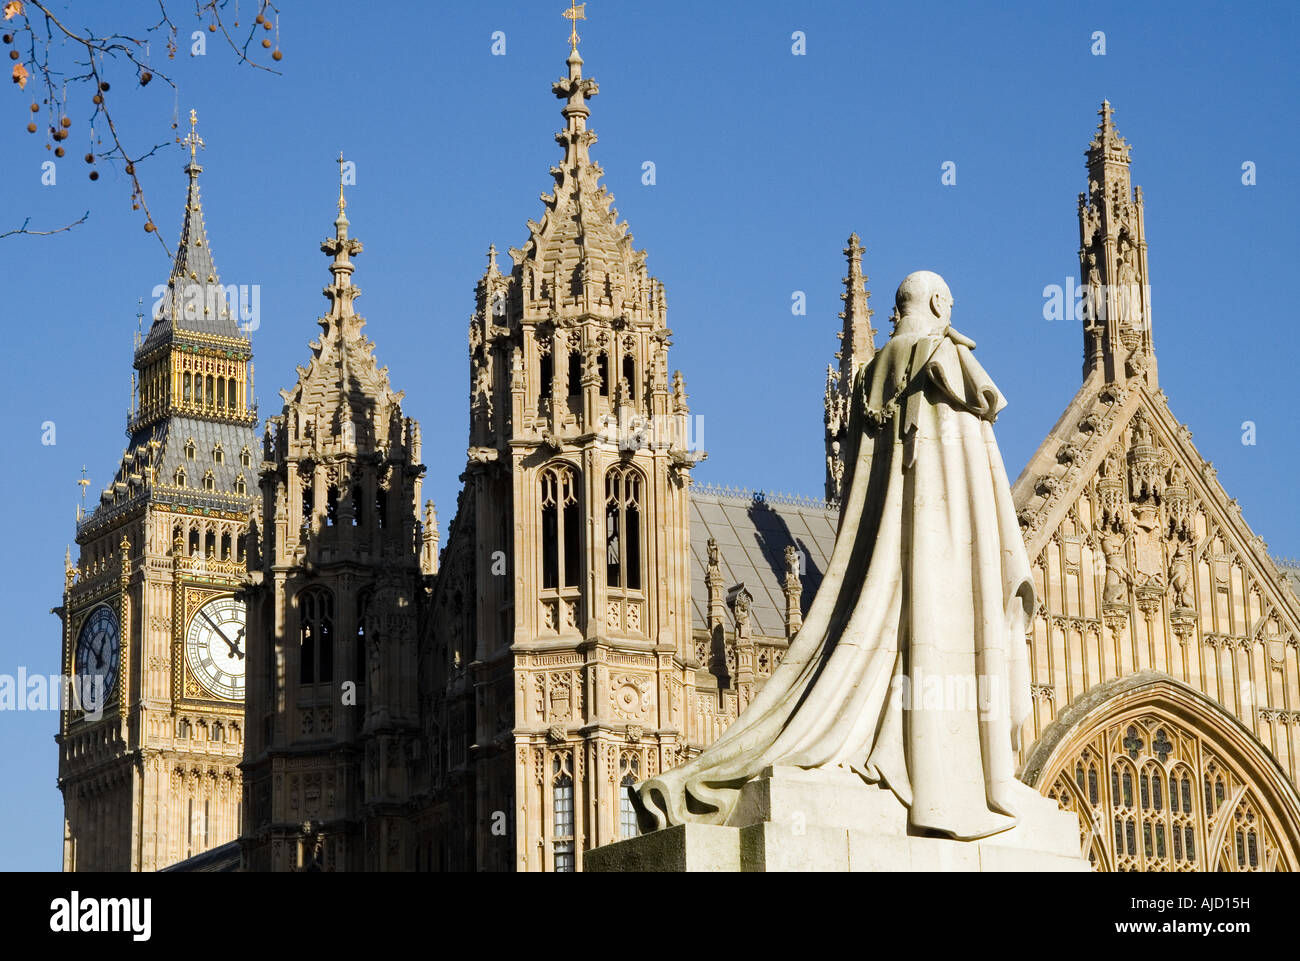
[[1163, 779]]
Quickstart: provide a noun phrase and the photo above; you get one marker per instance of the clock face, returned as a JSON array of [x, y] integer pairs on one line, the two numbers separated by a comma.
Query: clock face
[[215, 648], [98, 653]]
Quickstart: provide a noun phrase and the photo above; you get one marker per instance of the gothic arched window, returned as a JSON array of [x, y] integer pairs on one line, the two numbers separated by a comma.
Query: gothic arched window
[[629, 373], [315, 636], [1170, 802], [308, 504], [562, 802], [360, 650], [602, 368], [561, 528], [630, 768], [575, 381], [547, 379], [186, 388], [623, 509]]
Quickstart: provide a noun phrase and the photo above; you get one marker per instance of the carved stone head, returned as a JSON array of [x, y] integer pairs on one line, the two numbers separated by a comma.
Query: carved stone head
[[923, 303]]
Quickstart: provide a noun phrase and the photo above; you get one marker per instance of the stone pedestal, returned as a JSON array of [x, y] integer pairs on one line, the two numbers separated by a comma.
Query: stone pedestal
[[791, 819]]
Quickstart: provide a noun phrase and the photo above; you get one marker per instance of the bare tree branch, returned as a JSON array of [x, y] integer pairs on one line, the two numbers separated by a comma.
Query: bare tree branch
[[45, 30], [43, 233]]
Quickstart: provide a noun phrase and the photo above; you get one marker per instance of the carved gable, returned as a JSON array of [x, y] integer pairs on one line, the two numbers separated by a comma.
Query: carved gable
[[1143, 562]]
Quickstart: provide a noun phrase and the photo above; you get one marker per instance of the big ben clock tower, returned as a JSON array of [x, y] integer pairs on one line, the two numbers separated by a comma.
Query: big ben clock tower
[[153, 636]]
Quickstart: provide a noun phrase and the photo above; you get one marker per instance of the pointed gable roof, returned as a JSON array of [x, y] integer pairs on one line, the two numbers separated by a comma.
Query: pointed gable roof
[[1119, 446]]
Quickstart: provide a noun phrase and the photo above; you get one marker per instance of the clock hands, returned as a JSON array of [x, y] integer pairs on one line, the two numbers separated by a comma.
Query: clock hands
[[233, 645]]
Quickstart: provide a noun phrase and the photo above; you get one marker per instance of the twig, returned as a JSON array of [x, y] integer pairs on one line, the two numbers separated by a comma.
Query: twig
[[43, 233], [112, 46]]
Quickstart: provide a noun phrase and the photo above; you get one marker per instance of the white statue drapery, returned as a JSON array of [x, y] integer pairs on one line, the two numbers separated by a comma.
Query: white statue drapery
[[911, 667]]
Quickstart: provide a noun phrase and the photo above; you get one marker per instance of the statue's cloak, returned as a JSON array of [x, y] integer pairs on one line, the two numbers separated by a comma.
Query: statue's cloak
[[911, 667]]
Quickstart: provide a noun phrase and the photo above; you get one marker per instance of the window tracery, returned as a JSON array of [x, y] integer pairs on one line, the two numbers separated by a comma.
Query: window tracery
[[561, 528], [1168, 802]]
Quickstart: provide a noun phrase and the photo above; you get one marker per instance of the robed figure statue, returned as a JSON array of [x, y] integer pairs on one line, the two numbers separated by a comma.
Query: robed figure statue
[[911, 668]]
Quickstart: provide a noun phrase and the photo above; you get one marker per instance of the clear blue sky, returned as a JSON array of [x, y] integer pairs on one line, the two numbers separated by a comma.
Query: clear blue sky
[[765, 161]]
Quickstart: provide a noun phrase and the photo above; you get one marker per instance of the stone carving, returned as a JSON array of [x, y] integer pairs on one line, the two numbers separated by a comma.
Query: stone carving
[[1180, 574], [951, 765], [630, 696], [1148, 544], [1115, 590]]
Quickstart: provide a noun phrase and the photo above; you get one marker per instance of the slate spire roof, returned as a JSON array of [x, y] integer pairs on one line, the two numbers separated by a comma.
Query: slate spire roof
[[194, 300]]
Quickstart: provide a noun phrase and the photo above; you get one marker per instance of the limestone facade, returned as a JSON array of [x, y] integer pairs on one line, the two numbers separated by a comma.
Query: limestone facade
[[334, 589], [593, 617]]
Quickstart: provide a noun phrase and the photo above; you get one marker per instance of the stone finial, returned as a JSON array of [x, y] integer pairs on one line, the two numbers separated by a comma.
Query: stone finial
[[1107, 145], [713, 582], [680, 405], [429, 539], [739, 600], [793, 590]]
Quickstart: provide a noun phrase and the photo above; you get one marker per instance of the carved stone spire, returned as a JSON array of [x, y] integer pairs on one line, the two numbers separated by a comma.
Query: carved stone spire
[[857, 347], [195, 301], [858, 339], [429, 541], [343, 399], [1113, 264]]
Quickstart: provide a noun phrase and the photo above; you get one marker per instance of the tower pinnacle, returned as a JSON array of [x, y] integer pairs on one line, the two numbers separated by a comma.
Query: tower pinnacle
[[341, 247], [1113, 263], [857, 347]]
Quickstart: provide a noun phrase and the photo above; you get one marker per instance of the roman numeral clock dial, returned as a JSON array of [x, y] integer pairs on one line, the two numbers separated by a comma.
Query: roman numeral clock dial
[[215, 648], [98, 653]]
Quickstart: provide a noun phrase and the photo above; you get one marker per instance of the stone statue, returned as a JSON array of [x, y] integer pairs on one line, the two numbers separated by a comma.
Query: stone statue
[[1115, 589], [1096, 308], [929, 587], [1180, 574]]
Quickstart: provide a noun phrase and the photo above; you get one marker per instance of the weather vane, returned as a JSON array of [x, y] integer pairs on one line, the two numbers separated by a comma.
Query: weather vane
[[192, 139], [576, 12], [342, 203], [83, 484]]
